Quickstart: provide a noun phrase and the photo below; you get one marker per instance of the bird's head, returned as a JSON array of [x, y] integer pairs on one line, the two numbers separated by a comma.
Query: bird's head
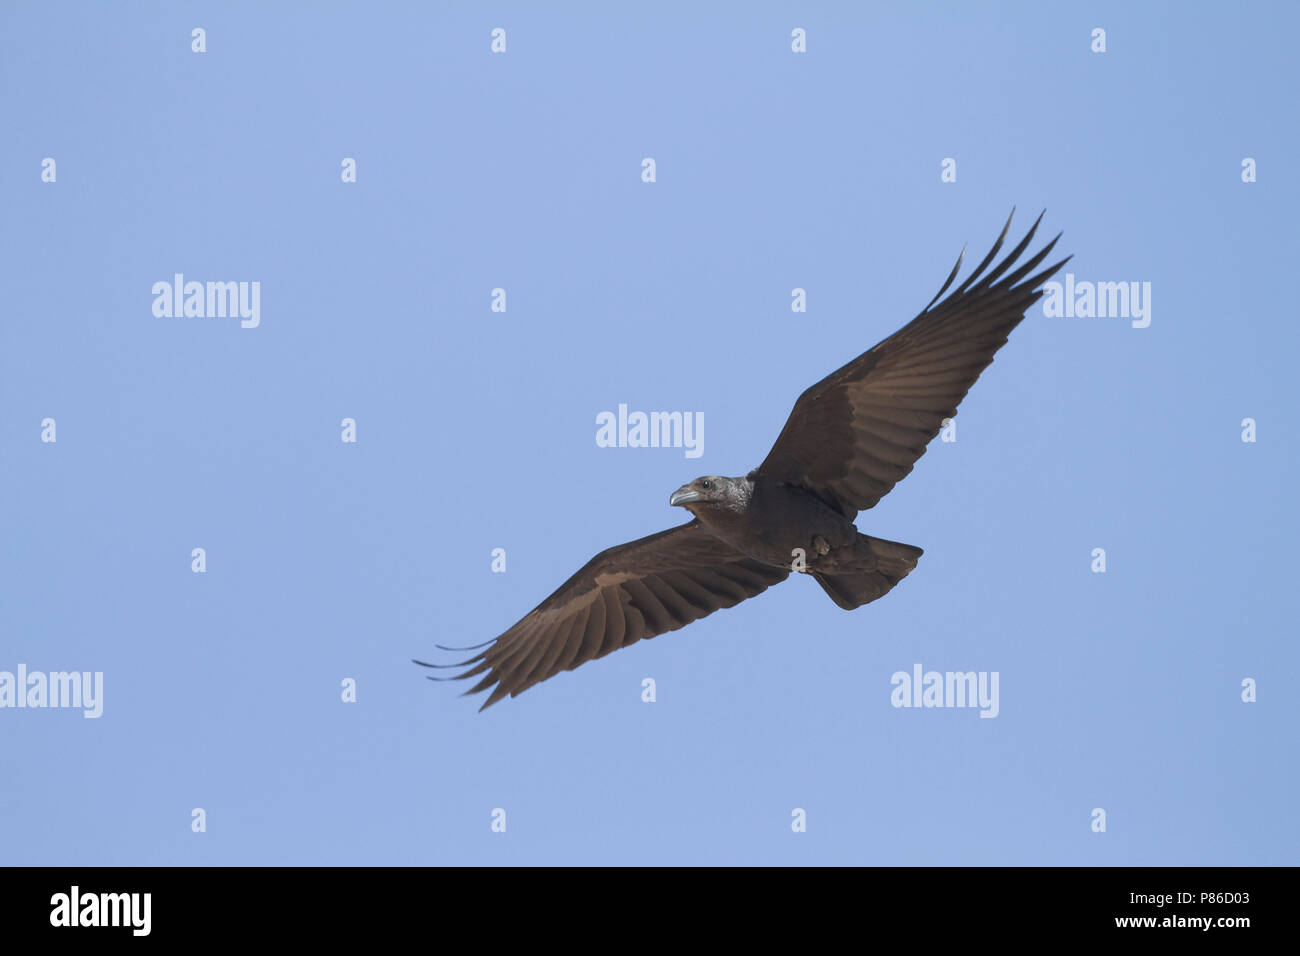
[[712, 493]]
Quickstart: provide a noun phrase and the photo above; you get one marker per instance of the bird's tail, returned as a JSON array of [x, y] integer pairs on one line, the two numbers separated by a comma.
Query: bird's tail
[[856, 588]]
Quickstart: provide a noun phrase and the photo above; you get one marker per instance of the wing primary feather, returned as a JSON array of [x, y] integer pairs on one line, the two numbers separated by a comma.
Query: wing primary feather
[[988, 258], [1047, 274], [947, 282], [500, 691], [1027, 267], [472, 647], [445, 666], [1012, 256]]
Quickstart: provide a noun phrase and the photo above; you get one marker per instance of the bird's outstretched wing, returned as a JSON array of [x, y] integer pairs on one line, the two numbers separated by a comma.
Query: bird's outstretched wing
[[639, 589], [858, 432]]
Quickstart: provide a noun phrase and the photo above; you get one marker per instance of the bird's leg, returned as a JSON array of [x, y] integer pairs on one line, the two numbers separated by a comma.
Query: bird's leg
[[821, 545]]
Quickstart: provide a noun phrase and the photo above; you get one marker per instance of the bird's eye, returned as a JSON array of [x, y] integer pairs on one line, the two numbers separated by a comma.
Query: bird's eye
[[706, 485]]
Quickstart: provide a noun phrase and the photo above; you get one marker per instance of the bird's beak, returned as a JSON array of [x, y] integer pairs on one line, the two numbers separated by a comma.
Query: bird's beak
[[684, 496]]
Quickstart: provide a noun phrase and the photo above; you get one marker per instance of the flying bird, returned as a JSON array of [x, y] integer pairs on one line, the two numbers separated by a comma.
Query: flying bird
[[849, 439]]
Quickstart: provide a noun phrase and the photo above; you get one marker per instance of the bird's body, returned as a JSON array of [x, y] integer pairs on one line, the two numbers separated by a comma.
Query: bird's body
[[786, 527], [768, 520], [848, 441]]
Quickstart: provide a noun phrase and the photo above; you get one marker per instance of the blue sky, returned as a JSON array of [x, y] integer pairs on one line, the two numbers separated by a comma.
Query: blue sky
[[476, 429]]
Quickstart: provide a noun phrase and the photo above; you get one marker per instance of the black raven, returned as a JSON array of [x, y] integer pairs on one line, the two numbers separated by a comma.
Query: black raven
[[848, 441]]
